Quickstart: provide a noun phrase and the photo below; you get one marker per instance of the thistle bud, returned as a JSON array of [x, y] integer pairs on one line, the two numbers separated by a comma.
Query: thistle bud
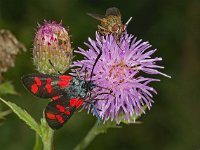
[[52, 52]]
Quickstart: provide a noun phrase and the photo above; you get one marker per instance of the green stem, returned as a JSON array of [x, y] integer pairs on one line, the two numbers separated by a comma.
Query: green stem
[[47, 135], [94, 131], [88, 139], [38, 142], [48, 139]]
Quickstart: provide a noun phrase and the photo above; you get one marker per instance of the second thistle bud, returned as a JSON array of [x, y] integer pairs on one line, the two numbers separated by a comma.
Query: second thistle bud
[[52, 52]]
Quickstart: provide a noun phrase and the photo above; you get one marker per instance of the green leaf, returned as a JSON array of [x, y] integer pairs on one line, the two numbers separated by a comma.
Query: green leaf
[[23, 115], [7, 88]]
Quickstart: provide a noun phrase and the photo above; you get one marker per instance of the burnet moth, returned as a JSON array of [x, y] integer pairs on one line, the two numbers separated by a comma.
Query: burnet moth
[[67, 93]]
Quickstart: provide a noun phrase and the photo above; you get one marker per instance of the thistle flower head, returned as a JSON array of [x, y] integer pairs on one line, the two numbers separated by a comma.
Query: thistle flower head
[[123, 67], [52, 50]]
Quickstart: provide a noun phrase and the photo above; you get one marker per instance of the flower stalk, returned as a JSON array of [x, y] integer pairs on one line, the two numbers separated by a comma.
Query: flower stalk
[[93, 133], [48, 139], [87, 139], [38, 143], [46, 135]]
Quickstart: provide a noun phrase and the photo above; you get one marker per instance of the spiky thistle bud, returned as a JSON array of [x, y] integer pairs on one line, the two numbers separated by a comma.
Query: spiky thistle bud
[[52, 52]]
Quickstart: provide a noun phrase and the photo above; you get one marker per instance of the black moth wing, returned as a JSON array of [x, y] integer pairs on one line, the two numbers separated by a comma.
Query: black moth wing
[[114, 11], [58, 112], [44, 85]]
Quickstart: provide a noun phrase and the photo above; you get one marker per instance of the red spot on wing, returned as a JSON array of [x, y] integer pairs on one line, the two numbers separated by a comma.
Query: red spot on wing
[[49, 88], [60, 108], [63, 83], [67, 112], [48, 85], [76, 102], [38, 81], [48, 80], [59, 118], [65, 78], [55, 98], [34, 88], [79, 103], [73, 102], [51, 116]]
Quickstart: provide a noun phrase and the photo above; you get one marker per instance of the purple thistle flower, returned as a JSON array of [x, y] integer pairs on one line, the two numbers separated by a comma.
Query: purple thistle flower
[[121, 68]]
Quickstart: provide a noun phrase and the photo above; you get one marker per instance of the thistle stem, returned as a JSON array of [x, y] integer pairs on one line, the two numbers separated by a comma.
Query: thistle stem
[[87, 139], [38, 142], [48, 139], [94, 131], [47, 135]]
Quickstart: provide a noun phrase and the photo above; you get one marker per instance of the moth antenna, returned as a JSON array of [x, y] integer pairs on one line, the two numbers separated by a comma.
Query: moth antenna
[[103, 94], [100, 53]]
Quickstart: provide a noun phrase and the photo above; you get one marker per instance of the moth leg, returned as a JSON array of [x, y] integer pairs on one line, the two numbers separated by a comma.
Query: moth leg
[[104, 94], [96, 99], [94, 109], [96, 113], [88, 102]]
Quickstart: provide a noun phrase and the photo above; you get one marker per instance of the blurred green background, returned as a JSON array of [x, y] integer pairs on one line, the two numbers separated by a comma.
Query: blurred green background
[[173, 27]]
